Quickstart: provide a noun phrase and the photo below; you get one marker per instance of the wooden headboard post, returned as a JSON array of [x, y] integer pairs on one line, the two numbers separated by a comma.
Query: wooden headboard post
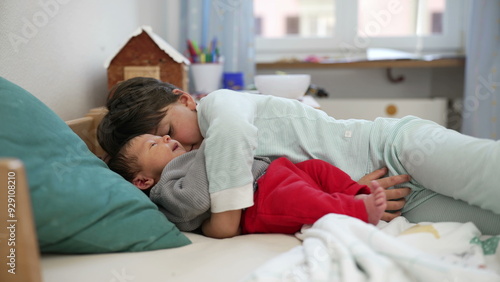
[[86, 128], [19, 253]]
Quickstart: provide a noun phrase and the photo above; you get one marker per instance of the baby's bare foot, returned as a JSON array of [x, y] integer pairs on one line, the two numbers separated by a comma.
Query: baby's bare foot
[[375, 203]]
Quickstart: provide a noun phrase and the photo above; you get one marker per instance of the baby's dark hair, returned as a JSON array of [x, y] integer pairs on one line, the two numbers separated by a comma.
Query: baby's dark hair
[[124, 163], [135, 106]]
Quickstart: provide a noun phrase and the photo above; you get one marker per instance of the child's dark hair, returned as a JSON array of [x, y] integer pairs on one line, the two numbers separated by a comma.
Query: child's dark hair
[[136, 106]]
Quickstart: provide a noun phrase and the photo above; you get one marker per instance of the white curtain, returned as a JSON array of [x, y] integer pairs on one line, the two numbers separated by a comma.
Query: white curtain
[[481, 111], [231, 22]]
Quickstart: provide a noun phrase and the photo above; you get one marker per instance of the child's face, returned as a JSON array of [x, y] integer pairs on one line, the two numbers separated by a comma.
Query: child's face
[[154, 153], [181, 123]]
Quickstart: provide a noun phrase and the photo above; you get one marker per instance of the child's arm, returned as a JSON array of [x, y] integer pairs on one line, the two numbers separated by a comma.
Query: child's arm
[[226, 120], [222, 225]]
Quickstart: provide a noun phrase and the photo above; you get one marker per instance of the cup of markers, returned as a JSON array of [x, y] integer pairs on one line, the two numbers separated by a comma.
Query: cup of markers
[[200, 55], [206, 66]]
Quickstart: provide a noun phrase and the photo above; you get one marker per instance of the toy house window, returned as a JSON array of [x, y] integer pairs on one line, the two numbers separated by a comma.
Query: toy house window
[[141, 71], [329, 27]]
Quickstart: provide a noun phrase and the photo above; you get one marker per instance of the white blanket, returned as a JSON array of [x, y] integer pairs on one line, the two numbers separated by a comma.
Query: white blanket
[[342, 248]]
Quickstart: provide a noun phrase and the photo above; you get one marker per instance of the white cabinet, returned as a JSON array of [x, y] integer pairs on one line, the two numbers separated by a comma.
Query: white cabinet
[[434, 109]]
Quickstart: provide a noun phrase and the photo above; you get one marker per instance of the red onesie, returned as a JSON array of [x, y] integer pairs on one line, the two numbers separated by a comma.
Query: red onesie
[[291, 195]]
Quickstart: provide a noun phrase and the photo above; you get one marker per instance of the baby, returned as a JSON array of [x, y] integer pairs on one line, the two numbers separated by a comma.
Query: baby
[[286, 195]]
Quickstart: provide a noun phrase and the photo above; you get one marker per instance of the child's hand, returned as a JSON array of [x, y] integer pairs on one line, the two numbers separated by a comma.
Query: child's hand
[[395, 197]]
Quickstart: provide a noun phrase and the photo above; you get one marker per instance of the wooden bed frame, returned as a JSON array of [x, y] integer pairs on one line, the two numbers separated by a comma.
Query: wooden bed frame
[[86, 128], [19, 250]]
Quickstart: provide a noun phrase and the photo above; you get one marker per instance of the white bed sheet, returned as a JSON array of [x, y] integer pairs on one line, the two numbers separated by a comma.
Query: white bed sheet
[[335, 248], [342, 248], [206, 259]]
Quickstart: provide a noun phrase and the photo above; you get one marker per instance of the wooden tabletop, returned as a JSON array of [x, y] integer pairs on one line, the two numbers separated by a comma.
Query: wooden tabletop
[[399, 63]]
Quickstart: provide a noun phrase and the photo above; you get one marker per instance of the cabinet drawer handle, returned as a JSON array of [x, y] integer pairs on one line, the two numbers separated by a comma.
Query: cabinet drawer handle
[[391, 109]]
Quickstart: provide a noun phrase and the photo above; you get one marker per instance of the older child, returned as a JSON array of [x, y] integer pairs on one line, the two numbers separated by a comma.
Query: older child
[[454, 177], [286, 195]]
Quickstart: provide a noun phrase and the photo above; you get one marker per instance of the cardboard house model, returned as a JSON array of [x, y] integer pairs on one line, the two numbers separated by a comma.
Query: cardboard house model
[[148, 55]]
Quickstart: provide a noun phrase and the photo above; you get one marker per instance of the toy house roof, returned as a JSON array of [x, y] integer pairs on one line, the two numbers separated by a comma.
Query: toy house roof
[[162, 44]]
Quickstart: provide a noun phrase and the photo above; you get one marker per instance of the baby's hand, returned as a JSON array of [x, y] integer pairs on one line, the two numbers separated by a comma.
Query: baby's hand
[[395, 196], [375, 203]]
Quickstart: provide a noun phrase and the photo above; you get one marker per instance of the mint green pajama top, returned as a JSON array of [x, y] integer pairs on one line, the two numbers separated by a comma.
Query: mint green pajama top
[[236, 126]]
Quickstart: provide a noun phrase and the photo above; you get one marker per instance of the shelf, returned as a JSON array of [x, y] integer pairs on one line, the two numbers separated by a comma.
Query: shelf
[[399, 63]]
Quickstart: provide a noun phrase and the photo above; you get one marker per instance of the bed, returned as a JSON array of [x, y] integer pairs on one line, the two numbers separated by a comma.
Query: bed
[[58, 238]]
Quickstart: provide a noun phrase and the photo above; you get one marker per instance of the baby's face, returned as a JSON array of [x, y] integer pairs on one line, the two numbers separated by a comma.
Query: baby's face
[[155, 152]]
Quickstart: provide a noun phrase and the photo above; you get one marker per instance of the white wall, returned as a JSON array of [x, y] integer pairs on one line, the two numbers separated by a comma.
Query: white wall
[[56, 49]]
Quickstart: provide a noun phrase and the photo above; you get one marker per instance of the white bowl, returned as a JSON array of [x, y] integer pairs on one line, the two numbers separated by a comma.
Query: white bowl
[[292, 86]]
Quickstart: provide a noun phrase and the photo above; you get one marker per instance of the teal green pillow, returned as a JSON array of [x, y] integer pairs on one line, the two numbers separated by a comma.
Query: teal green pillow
[[79, 205]]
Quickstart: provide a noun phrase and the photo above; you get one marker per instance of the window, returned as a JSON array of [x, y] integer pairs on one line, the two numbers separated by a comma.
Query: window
[[384, 18], [292, 25], [437, 22], [340, 28], [258, 26]]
